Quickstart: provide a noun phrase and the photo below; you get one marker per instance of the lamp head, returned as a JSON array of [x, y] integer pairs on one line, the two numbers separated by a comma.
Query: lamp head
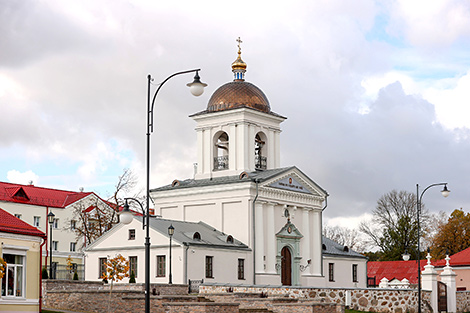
[[171, 230], [50, 217], [126, 216], [445, 192], [406, 256], [196, 87]]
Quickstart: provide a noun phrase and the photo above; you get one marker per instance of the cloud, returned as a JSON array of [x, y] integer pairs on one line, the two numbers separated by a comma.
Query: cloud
[[24, 178]]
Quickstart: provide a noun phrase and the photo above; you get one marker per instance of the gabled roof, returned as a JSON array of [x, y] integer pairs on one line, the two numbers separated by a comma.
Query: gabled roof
[[461, 258], [259, 176], [184, 233], [395, 269], [11, 224], [332, 248], [30, 194]]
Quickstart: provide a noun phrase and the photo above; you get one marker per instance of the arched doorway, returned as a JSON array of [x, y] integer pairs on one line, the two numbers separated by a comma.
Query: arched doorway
[[286, 267]]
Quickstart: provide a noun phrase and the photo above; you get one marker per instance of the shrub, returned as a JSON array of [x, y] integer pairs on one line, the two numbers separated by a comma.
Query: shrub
[[44, 274], [132, 278], [75, 276]]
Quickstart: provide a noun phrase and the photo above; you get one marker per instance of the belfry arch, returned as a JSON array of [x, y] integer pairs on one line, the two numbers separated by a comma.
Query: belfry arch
[[260, 151], [221, 151]]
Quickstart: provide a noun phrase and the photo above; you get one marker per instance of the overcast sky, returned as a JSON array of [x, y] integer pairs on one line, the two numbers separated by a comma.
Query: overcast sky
[[376, 93]]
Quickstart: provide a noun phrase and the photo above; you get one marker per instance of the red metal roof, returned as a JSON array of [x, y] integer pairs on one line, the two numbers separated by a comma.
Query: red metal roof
[[11, 224], [395, 269], [461, 258], [30, 194]]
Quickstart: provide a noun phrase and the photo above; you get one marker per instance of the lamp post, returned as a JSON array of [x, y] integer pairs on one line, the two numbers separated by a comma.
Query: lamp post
[[50, 218], [171, 231], [197, 89], [445, 192]]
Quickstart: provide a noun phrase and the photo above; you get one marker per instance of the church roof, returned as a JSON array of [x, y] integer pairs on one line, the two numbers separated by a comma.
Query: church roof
[[259, 176], [331, 247], [207, 235]]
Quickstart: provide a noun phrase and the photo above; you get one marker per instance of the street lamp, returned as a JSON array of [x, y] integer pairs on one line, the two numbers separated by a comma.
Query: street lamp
[[50, 218], [196, 88], [171, 231], [445, 192]]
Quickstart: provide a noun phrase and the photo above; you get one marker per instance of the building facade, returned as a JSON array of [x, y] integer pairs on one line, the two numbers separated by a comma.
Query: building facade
[[32, 205], [240, 189], [20, 248]]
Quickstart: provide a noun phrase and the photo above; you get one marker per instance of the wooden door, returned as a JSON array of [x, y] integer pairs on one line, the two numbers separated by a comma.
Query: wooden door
[[286, 267], [441, 297]]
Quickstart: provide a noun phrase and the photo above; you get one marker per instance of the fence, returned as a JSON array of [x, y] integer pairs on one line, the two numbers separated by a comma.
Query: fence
[[193, 285], [62, 272]]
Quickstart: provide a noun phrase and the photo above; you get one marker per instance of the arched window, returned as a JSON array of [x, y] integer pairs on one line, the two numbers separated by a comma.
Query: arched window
[[229, 239], [221, 146], [197, 236], [260, 151]]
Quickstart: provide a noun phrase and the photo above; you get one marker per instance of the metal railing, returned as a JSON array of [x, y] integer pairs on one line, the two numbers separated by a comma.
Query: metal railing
[[60, 271], [193, 285], [221, 163]]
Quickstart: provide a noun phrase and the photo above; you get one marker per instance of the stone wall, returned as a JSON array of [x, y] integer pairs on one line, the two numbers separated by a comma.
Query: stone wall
[[372, 299], [463, 301]]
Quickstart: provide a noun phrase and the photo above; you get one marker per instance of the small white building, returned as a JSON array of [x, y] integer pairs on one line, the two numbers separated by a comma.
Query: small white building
[[199, 251]]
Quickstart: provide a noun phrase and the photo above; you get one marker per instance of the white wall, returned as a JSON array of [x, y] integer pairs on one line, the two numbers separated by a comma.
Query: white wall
[[343, 272]]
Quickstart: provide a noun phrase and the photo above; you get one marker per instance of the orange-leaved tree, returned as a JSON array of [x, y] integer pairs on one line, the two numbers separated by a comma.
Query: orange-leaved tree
[[3, 267], [452, 236], [117, 269]]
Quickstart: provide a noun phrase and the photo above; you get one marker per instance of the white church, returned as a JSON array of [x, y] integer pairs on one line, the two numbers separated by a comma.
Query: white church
[[242, 219]]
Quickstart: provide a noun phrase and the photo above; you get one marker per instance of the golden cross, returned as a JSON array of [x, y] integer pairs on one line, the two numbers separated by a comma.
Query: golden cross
[[239, 42]]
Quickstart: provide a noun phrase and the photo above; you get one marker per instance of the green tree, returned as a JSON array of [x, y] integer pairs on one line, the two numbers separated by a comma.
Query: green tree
[[452, 236], [394, 226]]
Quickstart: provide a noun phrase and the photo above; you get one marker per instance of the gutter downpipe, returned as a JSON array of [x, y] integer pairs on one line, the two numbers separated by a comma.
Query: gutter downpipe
[[254, 234], [40, 272], [321, 232]]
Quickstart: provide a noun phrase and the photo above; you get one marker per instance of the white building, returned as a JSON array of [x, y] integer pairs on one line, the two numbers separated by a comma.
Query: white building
[[240, 190]]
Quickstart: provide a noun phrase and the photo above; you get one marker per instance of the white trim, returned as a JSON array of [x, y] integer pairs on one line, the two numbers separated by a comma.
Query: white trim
[[20, 237], [6, 301]]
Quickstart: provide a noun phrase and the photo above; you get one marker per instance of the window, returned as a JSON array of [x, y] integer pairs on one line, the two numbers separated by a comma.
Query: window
[[354, 273], [36, 221], [18, 215], [241, 268], [102, 265], [131, 234], [55, 224], [209, 267], [133, 265], [55, 245], [161, 263], [73, 246], [197, 236], [331, 271], [73, 224], [13, 281]]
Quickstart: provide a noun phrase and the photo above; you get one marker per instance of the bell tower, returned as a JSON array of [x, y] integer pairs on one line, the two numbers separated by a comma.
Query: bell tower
[[238, 131]]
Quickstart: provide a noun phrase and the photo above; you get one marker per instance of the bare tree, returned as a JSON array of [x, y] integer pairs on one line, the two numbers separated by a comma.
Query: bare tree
[[346, 237], [92, 216]]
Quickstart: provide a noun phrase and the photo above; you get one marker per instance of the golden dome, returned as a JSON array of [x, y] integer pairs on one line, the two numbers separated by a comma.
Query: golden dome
[[238, 64], [238, 94]]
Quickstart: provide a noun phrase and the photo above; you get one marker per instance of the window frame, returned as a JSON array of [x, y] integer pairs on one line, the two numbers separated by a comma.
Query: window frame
[[55, 224], [73, 224], [14, 267], [161, 266], [74, 245], [354, 273], [55, 245], [102, 266], [133, 265], [241, 269], [131, 234], [209, 266], [331, 272], [36, 221]]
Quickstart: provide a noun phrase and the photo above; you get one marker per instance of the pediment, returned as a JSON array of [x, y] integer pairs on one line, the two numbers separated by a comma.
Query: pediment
[[295, 181], [289, 231], [17, 192]]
